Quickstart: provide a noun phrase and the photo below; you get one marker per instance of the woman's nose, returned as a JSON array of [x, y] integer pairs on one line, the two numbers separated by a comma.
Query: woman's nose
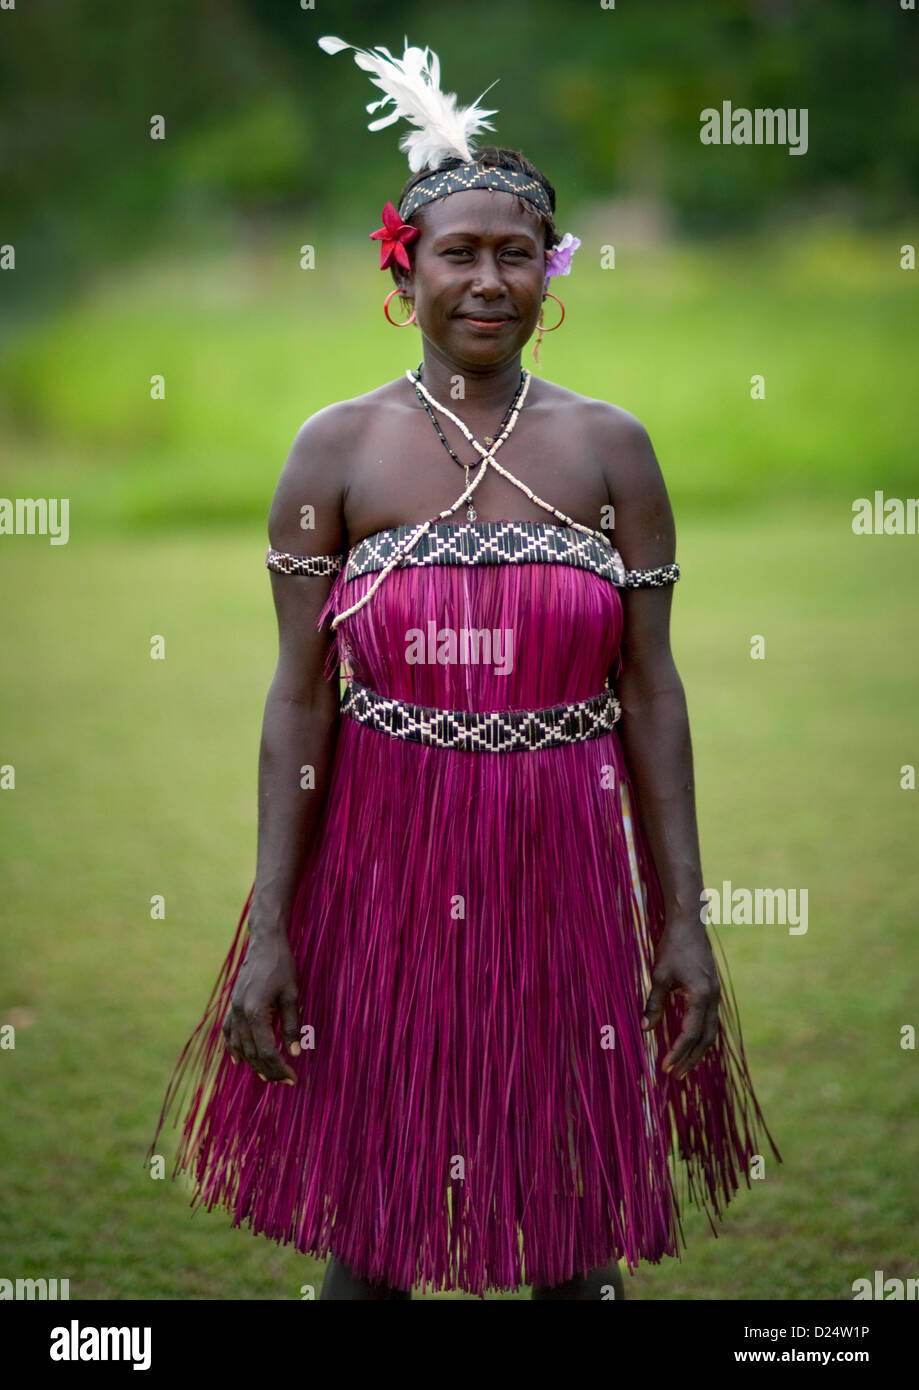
[[488, 277]]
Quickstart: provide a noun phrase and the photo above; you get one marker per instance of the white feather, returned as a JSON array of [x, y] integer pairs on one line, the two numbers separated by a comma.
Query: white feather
[[412, 85]]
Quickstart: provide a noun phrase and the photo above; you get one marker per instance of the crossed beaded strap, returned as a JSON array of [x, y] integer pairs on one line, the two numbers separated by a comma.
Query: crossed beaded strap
[[487, 456], [425, 526], [487, 459], [635, 579]]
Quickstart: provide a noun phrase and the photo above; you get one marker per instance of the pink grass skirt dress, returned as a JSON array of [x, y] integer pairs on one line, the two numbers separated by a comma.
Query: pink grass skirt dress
[[474, 933]]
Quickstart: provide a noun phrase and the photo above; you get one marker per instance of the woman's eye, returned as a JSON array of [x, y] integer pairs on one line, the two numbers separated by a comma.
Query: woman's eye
[[464, 250]]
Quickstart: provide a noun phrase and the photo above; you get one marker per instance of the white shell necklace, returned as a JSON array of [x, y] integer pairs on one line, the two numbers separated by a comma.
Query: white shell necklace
[[487, 459]]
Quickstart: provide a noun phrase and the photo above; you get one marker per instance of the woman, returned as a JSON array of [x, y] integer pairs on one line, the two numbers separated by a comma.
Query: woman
[[498, 999]]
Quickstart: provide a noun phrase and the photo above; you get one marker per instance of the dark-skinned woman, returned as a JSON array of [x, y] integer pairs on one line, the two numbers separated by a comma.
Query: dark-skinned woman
[[471, 1024]]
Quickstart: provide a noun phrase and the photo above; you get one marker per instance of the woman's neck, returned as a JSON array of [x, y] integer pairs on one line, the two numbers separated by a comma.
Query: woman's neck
[[481, 392]]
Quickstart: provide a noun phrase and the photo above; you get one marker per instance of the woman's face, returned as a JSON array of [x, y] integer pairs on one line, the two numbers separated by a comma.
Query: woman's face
[[477, 255]]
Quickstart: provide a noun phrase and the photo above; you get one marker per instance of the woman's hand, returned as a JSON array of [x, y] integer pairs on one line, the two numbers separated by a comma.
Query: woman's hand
[[685, 963], [265, 988]]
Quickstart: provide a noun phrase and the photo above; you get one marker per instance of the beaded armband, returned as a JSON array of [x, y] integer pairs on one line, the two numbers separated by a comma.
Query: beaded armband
[[283, 563], [652, 579]]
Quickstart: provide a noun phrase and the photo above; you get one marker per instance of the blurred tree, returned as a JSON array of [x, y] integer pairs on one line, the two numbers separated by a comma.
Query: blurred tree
[[260, 123]]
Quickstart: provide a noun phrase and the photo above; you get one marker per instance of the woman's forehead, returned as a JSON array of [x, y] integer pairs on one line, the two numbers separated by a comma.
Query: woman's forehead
[[479, 212]]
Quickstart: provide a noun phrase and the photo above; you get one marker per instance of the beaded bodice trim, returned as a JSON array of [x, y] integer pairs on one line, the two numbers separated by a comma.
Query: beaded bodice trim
[[489, 543], [481, 543]]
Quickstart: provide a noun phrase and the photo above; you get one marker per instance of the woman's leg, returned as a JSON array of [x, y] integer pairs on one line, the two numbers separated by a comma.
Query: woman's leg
[[603, 1283], [339, 1283]]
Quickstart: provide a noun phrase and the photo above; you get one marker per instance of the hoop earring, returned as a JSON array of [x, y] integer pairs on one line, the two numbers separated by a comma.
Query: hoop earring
[[540, 329], [405, 323], [549, 295]]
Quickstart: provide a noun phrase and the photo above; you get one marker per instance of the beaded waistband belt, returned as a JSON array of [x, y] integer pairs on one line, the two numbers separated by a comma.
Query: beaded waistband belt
[[492, 731]]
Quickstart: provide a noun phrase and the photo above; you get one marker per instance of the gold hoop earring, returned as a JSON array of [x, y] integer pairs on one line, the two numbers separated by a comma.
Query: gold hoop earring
[[549, 295], [541, 329]]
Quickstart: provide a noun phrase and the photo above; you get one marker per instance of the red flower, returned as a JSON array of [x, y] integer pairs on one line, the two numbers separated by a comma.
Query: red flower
[[393, 235]]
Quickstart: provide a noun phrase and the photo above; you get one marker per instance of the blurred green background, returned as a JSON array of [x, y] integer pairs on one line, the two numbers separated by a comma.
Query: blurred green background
[[135, 257]]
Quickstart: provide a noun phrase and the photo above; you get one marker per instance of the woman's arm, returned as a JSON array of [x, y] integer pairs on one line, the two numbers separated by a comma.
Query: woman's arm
[[654, 732], [299, 732]]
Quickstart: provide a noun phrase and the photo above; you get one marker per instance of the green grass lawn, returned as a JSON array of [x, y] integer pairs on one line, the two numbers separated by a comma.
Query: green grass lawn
[[136, 777], [249, 346]]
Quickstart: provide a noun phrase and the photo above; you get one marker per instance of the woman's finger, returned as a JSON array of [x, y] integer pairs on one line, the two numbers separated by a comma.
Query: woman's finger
[[231, 1042], [269, 1062], [654, 1008], [690, 1035], [709, 1036]]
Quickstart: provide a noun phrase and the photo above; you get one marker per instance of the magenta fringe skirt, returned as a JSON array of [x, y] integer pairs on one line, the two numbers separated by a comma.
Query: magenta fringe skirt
[[474, 935]]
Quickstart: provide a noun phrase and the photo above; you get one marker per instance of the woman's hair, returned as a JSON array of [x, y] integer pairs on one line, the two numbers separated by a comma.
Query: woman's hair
[[494, 157]]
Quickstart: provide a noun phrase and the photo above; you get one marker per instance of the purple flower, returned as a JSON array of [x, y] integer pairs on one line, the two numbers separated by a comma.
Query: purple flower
[[558, 260]]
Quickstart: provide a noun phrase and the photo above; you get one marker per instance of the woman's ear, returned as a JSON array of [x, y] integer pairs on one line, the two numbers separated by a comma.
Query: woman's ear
[[405, 283]]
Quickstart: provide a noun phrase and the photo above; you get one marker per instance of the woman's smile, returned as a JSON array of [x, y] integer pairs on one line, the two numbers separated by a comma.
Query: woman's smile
[[490, 324]]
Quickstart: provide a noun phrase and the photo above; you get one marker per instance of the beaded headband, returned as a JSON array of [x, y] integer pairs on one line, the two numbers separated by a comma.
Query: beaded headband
[[472, 175]]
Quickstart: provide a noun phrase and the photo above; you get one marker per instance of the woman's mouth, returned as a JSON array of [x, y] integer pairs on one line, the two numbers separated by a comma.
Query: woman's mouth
[[493, 323]]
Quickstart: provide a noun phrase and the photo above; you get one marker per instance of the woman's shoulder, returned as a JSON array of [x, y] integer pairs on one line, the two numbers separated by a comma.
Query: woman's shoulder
[[333, 429], [340, 414], [550, 395], [339, 427], [620, 444], [606, 414], [602, 424], [340, 423]]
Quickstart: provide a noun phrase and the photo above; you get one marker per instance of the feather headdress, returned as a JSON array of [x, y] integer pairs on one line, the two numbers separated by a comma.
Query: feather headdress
[[412, 84]]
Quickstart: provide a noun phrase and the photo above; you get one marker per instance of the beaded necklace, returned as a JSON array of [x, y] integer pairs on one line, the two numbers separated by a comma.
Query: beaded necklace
[[471, 512], [488, 458]]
